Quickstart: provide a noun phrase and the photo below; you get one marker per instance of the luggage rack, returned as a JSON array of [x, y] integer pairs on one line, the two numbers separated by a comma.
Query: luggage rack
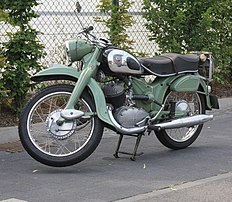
[[206, 65]]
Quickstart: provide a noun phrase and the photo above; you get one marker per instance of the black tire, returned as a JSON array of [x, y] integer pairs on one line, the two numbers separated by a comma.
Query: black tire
[[166, 137], [66, 145]]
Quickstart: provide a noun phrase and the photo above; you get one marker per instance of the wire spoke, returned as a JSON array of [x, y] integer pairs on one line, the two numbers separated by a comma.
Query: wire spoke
[[193, 100], [56, 140]]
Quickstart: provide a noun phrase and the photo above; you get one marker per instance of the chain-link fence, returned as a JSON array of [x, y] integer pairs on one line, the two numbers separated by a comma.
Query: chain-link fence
[[58, 22]]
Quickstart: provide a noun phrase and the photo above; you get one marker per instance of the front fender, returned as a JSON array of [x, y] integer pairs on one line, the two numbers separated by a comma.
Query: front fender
[[57, 72], [62, 72]]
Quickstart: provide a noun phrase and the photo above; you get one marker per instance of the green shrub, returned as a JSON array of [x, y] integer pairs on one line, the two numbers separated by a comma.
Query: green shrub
[[22, 51], [117, 22], [183, 26]]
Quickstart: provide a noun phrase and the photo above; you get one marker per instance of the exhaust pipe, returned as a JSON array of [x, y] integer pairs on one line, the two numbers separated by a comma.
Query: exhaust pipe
[[128, 131], [182, 122]]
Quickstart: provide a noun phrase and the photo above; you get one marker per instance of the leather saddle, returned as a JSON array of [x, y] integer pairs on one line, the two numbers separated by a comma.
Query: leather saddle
[[170, 64]]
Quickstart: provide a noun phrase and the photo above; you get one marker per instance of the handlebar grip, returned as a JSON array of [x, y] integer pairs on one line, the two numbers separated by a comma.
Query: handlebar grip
[[90, 28], [87, 30]]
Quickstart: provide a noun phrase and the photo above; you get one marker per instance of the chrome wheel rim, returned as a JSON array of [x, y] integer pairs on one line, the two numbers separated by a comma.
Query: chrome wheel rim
[[194, 102], [74, 135]]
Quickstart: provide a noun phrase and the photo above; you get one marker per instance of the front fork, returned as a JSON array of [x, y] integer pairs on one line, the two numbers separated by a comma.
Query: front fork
[[89, 70]]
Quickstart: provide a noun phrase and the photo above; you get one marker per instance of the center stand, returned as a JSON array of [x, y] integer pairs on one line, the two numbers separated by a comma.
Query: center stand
[[134, 154]]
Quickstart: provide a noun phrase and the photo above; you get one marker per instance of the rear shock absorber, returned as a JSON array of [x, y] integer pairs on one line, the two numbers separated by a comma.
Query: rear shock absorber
[[172, 109]]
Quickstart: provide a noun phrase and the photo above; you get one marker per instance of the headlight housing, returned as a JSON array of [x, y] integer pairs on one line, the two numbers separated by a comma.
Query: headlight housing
[[76, 49]]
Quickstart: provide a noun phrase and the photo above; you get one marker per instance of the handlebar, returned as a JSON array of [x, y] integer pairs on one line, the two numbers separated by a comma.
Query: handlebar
[[88, 29], [86, 32]]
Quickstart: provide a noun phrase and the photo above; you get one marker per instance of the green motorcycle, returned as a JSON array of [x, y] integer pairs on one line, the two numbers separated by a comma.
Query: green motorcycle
[[169, 94]]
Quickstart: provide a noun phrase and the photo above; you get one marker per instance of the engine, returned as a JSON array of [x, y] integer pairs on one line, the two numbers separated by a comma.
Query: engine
[[128, 117], [114, 94]]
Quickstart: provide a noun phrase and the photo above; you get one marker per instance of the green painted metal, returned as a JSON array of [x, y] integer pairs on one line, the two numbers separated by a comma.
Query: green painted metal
[[78, 48], [188, 83], [100, 101], [156, 91], [165, 114], [56, 70], [89, 71], [203, 89], [61, 70], [193, 83]]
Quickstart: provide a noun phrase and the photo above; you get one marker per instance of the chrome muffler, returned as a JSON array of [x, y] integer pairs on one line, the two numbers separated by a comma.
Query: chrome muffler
[[182, 122]]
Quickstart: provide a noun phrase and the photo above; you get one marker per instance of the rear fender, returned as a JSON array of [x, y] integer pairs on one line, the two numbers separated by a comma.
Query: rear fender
[[188, 83], [62, 72], [210, 99], [194, 83]]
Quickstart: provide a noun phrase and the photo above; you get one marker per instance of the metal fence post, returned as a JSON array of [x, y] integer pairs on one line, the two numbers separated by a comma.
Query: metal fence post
[[115, 2], [114, 13]]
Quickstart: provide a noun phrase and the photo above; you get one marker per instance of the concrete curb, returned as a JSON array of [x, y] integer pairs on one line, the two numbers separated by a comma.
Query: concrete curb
[[10, 134], [204, 185]]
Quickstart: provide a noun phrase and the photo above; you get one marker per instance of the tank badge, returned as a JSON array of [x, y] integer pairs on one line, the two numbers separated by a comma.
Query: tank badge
[[117, 60]]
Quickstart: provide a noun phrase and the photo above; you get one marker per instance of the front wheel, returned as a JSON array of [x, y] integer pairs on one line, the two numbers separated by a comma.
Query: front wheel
[[181, 138], [59, 145]]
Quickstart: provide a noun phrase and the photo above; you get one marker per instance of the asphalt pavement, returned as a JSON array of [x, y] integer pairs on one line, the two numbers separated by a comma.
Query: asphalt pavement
[[213, 189], [209, 188]]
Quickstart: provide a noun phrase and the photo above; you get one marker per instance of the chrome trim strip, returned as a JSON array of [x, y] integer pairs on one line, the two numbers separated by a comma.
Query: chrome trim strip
[[167, 75]]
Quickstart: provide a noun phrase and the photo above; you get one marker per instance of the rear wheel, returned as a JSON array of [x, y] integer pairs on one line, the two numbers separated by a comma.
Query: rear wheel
[[181, 138], [54, 144]]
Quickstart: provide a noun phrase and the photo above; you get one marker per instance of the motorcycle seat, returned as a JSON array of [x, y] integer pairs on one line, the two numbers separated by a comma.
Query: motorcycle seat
[[170, 64]]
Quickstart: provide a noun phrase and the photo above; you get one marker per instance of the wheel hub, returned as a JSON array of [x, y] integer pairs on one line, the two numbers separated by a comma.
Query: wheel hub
[[62, 131], [183, 106]]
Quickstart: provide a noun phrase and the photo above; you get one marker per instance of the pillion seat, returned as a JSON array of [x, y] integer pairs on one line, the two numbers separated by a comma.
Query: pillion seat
[[170, 64]]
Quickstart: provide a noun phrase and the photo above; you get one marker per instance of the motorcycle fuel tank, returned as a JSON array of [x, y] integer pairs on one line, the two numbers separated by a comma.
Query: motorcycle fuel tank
[[120, 61]]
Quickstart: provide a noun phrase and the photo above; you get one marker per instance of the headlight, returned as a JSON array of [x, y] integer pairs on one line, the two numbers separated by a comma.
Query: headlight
[[76, 49]]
